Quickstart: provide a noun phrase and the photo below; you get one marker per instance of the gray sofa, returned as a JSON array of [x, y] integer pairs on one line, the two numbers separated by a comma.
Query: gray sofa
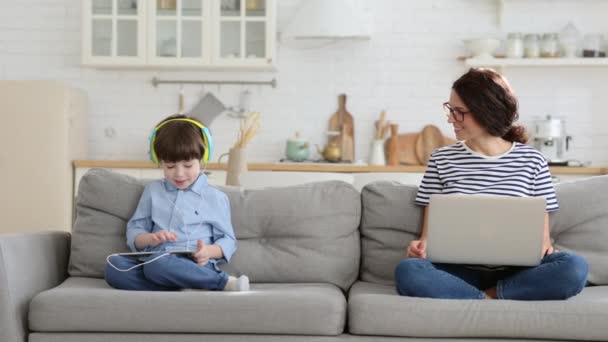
[[320, 257]]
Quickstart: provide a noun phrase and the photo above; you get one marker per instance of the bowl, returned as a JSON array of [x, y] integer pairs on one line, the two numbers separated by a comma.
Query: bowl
[[482, 47]]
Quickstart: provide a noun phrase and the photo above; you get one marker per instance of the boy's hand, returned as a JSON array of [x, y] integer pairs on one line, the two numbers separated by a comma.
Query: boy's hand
[[161, 236], [201, 256], [417, 249]]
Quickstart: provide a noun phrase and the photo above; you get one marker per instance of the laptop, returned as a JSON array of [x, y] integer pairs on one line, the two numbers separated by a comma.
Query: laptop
[[486, 230]]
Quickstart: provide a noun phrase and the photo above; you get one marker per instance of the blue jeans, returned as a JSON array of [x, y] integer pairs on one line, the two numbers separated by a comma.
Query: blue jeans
[[168, 273], [559, 276]]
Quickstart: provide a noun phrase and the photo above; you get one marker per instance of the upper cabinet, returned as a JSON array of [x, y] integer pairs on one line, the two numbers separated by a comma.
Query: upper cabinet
[[113, 32], [188, 33]]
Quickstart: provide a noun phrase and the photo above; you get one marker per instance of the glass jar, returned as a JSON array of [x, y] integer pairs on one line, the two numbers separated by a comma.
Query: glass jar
[[569, 38], [549, 46], [514, 47], [531, 46], [591, 45]]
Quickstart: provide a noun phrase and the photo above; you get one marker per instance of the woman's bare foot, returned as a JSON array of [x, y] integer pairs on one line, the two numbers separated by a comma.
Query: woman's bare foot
[[490, 293]]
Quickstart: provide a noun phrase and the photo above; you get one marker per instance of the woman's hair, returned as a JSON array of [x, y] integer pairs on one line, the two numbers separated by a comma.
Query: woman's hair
[[492, 103], [178, 140]]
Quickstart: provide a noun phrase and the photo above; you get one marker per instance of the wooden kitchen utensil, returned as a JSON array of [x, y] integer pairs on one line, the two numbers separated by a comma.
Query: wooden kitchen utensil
[[381, 126], [429, 140], [393, 146], [348, 153], [342, 121], [180, 100], [407, 148]]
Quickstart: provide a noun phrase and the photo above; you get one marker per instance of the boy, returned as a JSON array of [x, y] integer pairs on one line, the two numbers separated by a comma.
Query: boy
[[178, 213]]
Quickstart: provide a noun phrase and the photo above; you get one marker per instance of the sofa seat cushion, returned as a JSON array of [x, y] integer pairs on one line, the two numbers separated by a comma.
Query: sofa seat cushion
[[376, 309], [90, 305]]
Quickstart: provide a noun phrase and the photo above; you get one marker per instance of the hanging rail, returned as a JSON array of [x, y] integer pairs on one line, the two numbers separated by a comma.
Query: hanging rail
[[156, 81]]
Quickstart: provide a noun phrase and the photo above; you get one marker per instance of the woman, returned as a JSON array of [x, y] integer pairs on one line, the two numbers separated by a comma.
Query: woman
[[490, 158]]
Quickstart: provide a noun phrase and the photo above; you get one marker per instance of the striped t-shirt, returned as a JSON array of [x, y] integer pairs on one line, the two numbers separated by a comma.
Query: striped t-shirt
[[456, 169]]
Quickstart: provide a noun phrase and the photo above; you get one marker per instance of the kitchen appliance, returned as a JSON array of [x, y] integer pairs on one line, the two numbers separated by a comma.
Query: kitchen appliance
[[551, 140]]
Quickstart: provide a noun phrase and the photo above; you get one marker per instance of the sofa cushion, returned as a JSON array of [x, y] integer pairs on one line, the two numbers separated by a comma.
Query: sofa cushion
[[375, 309], [390, 220], [104, 203], [296, 234], [581, 224], [90, 305], [304, 233]]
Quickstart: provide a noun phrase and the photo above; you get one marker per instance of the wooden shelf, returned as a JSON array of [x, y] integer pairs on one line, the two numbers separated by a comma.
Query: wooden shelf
[[535, 62], [317, 167]]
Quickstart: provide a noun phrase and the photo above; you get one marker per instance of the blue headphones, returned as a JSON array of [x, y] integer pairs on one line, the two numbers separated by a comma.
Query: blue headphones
[[206, 139]]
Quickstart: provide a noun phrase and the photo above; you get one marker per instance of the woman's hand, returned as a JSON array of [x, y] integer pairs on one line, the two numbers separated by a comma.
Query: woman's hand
[[417, 249], [201, 256], [547, 247]]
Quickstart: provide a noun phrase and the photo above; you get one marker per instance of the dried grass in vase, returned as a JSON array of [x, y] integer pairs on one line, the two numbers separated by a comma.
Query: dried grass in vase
[[248, 129]]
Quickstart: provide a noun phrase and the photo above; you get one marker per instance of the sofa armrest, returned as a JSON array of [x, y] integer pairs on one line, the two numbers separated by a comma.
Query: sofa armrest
[[29, 264]]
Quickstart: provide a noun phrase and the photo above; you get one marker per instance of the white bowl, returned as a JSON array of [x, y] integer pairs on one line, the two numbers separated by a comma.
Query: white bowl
[[483, 47]]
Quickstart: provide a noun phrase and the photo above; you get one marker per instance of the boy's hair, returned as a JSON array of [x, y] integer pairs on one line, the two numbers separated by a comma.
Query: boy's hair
[[178, 140]]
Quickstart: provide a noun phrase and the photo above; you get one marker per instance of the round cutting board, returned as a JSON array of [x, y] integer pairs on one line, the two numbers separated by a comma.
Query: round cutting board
[[429, 139]]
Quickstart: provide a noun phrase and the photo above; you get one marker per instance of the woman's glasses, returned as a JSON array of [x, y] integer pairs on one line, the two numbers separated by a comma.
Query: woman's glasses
[[457, 114]]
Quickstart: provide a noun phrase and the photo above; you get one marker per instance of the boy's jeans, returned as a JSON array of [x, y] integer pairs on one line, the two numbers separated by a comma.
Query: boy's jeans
[[168, 273], [559, 276]]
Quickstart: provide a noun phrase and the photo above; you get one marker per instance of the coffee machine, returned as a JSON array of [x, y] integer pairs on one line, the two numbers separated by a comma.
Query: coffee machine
[[551, 140]]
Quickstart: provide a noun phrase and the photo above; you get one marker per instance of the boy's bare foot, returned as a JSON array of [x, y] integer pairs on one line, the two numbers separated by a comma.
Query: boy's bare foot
[[490, 293]]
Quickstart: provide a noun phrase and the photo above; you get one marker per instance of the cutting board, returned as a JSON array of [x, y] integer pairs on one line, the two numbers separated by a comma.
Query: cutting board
[[416, 148], [406, 143], [429, 139], [207, 109], [342, 121], [392, 150]]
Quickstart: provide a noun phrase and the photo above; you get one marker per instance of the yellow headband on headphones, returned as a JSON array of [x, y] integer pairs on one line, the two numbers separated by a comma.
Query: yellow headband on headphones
[[206, 139]]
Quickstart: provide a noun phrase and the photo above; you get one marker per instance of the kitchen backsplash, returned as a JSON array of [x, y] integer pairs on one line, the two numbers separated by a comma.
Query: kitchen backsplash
[[406, 68]]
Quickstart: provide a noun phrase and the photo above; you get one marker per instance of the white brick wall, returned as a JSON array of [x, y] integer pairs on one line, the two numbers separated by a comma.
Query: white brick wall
[[407, 67]]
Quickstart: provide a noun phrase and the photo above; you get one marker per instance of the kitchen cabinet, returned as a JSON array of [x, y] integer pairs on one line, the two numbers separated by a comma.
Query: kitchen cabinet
[[212, 34], [113, 32]]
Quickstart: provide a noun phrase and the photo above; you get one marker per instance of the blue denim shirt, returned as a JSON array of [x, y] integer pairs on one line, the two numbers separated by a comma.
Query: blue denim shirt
[[199, 212]]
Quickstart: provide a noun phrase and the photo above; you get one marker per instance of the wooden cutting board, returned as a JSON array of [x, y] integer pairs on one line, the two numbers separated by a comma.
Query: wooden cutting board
[[406, 145], [416, 148], [429, 139], [392, 151], [342, 121]]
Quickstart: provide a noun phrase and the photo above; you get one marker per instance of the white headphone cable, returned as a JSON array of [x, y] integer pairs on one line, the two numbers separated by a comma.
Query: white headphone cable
[[132, 267]]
